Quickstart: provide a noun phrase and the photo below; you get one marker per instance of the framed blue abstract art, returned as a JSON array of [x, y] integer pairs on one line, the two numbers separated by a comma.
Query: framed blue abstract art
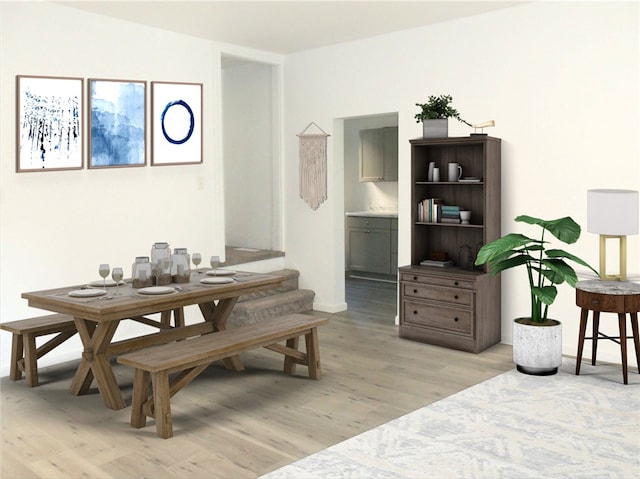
[[117, 123], [176, 123], [49, 123]]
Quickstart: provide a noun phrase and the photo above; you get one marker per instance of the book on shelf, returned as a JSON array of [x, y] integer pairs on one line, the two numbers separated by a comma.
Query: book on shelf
[[450, 210], [432, 210], [450, 214], [440, 264], [429, 210]]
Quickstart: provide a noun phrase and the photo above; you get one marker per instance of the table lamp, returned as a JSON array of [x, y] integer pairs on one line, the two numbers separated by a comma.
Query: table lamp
[[612, 214]]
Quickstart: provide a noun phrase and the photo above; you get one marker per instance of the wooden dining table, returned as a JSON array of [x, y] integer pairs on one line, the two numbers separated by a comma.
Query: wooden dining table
[[97, 319]]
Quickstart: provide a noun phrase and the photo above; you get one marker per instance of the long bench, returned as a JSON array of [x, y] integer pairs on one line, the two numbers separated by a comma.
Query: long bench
[[24, 353], [192, 356]]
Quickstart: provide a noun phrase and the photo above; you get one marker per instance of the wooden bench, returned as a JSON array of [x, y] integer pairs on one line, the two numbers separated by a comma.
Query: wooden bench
[[24, 353], [192, 356]]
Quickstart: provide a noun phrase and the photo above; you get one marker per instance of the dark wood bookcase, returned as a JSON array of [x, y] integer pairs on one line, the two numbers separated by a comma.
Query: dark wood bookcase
[[456, 306]]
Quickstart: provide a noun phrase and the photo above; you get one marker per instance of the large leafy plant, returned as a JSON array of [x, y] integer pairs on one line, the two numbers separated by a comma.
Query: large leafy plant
[[438, 107], [546, 267]]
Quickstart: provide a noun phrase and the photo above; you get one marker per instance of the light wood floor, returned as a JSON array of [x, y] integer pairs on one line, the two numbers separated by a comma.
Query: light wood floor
[[242, 425]]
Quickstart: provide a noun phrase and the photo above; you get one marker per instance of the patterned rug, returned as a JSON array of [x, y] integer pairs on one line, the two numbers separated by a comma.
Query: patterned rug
[[511, 426]]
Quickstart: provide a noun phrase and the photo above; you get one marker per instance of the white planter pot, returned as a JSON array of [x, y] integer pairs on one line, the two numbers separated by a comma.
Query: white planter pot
[[435, 128], [537, 349]]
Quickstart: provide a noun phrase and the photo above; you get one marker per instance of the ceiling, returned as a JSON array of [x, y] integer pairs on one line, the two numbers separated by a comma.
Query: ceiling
[[288, 26]]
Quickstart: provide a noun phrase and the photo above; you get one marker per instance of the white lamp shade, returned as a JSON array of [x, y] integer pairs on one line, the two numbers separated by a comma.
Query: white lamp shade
[[612, 212]]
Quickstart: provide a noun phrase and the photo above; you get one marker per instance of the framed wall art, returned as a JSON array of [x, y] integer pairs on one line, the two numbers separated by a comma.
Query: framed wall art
[[117, 123], [176, 123], [49, 123]]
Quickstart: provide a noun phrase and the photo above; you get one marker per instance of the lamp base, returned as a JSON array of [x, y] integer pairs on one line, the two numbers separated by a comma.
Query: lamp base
[[622, 276]]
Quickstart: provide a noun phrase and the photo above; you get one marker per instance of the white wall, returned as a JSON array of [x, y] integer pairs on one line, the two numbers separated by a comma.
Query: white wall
[[559, 78], [56, 227]]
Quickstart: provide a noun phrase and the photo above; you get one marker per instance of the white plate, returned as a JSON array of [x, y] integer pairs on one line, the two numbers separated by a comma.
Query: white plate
[[109, 283], [470, 179], [216, 280], [87, 293], [157, 290], [220, 272]]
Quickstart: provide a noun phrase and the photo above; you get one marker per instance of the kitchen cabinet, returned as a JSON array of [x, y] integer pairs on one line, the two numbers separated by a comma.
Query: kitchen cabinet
[[394, 245], [372, 244], [455, 306], [379, 154]]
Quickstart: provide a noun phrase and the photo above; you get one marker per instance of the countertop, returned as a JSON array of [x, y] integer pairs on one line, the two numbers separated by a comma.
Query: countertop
[[373, 213]]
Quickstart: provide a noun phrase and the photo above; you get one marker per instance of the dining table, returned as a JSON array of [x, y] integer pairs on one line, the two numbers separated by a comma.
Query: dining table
[[97, 316]]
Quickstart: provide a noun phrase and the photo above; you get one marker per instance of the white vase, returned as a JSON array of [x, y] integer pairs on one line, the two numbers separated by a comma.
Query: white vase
[[537, 349], [435, 128]]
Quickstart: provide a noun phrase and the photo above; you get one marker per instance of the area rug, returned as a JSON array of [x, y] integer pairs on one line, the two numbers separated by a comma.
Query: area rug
[[511, 426]]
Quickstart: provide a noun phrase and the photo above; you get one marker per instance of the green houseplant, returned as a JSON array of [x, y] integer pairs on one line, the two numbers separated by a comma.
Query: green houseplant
[[546, 267], [435, 114]]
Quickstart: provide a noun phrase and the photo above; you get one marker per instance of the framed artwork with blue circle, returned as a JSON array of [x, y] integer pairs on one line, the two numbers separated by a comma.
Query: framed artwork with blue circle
[[176, 123]]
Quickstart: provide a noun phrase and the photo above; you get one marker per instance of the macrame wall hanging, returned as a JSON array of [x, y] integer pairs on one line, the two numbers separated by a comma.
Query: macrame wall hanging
[[313, 166]]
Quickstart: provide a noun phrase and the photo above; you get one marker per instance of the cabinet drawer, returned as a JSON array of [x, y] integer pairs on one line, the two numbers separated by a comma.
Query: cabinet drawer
[[632, 303], [450, 295], [600, 302], [368, 222], [437, 317], [449, 282]]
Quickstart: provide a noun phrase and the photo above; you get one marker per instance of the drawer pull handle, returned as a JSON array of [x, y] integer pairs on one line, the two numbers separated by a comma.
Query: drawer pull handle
[[455, 297], [455, 319], [595, 301], [415, 312], [415, 278], [455, 283], [415, 291]]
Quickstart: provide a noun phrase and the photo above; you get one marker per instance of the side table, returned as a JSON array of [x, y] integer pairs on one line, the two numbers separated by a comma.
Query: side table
[[608, 297]]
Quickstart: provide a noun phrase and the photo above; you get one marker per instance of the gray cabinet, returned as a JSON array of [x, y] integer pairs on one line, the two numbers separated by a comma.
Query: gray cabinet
[[379, 154], [372, 244], [394, 245]]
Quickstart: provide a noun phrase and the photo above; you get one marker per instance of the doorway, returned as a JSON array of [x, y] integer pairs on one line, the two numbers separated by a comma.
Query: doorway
[[251, 152], [376, 198]]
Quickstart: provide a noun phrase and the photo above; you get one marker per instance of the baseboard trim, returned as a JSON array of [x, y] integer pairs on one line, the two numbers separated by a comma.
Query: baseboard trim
[[372, 278], [330, 308]]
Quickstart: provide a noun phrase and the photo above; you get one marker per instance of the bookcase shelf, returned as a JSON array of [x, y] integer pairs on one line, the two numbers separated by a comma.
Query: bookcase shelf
[[448, 225], [459, 306], [456, 183]]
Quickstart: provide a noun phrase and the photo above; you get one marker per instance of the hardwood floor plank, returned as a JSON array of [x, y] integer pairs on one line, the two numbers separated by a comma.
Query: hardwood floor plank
[[242, 424]]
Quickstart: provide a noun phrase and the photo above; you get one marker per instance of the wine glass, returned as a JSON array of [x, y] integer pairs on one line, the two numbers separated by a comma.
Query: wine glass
[[104, 270], [117, 275], [165, 263], [156, 269], [215, 262], [197, 259]]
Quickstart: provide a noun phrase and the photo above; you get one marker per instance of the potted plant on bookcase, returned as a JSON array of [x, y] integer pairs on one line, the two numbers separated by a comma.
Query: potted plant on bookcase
[[435, 115], [537, 339]]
